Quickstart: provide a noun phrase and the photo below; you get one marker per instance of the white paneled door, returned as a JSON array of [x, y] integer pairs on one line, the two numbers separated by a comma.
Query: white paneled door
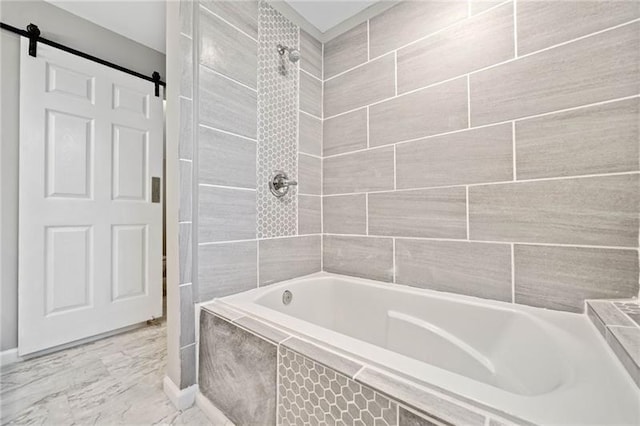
[[90, 234]]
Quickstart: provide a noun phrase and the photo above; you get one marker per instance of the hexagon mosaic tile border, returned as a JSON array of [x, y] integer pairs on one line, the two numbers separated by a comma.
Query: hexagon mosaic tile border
[[309, 393], [277, 122]]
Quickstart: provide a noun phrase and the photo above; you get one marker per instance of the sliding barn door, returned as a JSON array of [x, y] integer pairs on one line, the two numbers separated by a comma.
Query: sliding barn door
[[90, 233]]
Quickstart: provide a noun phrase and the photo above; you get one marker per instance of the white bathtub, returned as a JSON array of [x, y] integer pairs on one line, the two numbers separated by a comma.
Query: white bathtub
[[544, 366]]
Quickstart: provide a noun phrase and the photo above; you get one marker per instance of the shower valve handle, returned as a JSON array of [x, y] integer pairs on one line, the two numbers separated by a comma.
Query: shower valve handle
[[280, 183]]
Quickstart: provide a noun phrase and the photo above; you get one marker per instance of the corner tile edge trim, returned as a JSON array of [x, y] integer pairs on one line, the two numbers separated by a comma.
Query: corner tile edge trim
[[610, 322]]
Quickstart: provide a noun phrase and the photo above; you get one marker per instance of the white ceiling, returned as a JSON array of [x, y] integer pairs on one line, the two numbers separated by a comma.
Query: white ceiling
[[326, 14], [139, 20]]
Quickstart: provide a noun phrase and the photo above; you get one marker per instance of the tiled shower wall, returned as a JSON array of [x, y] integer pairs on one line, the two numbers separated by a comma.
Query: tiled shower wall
[[487, 148], [232, 134]]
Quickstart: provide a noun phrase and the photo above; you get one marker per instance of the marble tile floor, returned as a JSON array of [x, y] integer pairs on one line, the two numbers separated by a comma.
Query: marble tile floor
[[116, 380]]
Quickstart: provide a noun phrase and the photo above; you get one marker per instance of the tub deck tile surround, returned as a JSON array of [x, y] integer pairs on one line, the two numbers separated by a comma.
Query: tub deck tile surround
[[442, 409], [329, 359], [237, 371], [409, 418], [309, 393], [434, 406], [619, 325], [632, 309]]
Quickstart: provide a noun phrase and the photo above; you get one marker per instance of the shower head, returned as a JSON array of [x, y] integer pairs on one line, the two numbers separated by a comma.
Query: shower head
[[294, 54]]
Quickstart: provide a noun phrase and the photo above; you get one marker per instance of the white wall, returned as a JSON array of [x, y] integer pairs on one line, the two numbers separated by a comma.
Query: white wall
[[61, 26]]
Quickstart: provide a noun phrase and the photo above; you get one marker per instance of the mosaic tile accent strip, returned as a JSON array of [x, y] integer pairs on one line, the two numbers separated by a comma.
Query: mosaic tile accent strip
[[632, 309], [310, 393], [277, 122]]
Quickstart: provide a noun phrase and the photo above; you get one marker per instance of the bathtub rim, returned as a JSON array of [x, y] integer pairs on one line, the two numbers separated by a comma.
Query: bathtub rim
[[231, 308], [340, 361]]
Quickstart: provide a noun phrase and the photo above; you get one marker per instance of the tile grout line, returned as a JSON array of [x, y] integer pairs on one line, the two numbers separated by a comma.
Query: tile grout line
[[468, 101], [225, 21], [195, 149], [358, 372], [460, 76], [395, 169], [233, 80], [513, 274], [366, 212], [297, 141], [462, 240], [418, 40], [513, 146], [394, 259], [309, 74], [368, 40], [239, 188], [479, 70], [322, 163], [490, 66], [395, 72], [515, 29], [467, 193], [249, 240], [367, 124], [502, 182], [206, 126]]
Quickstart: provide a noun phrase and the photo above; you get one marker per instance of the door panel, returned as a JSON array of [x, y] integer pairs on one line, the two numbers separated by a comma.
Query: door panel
[[68, 278], [68, 155], [129, 261], [130, 164], [90, 239]]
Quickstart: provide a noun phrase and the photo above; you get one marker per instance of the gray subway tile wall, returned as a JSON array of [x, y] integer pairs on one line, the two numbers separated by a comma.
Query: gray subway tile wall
[[564, 277], [284, 258], [310, 94], [474, 269], [226, 214], [186, 190], [470, 156], [471, 44], [410, 21], [242, 15], [543, 23], [227, 50], [366, 84], [478, 6], [344, 133], [309, 175], [218, 245], [226, 268], [185, 145], [365, 257], [370, 170], [226, 159], [185, 250], [600, 210], [562, 77], [346, 51], [309, 214], [438, 109], [310, 134], [310, 54], [345, 214], [505, 154], [227, 105], [592, 140], [429, 213]]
